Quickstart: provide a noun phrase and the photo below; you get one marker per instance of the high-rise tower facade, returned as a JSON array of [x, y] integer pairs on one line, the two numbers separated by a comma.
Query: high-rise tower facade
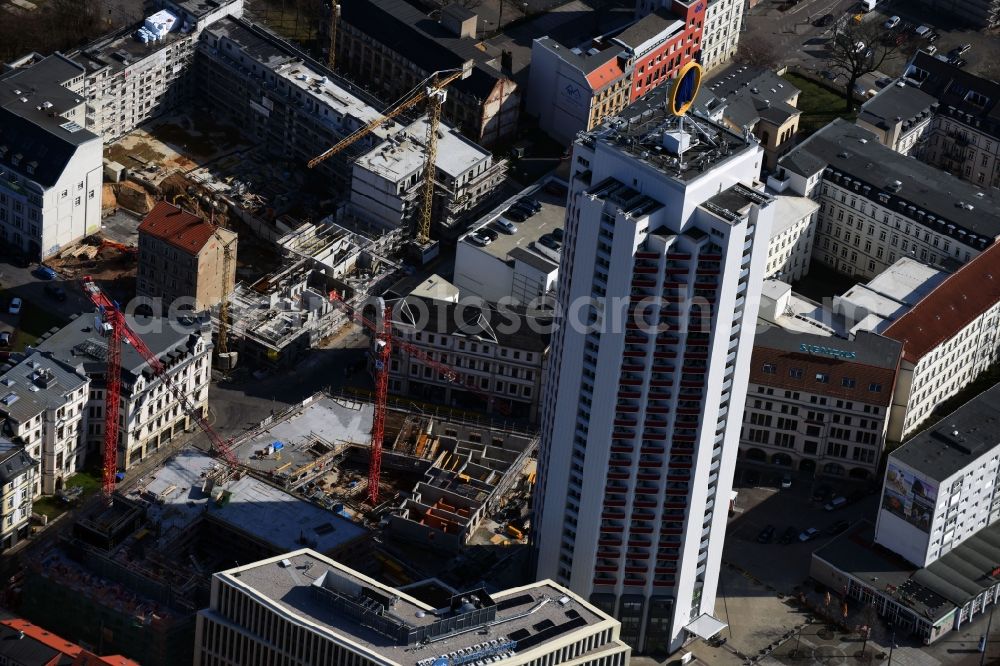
[[658, 299]]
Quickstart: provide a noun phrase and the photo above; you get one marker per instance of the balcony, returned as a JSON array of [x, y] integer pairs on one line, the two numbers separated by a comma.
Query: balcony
[[637, 282], [645, 270], [618, 448], [634, 395], [647, 255], [626, 422], [609, 541]]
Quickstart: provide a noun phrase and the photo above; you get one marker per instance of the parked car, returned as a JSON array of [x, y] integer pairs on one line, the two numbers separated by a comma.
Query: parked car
[[835, 503], [45, 272], [5, 339], [507, 226], [892, 22], [883, 82], [786, 482], [558, 234], [808, 534], [933, 37], [766, 534], [549, 242], [930, 49], [530, 203], [516, 214], [55, 291], [859, 47], [838, 527], [964, 48], [960, 62], [479, 239], [15, 306], [825, 21], [489, 233], [922, 31], [788, 535]]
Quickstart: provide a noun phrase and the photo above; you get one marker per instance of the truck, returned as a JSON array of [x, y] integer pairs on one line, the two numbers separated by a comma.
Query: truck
[[868, 5]]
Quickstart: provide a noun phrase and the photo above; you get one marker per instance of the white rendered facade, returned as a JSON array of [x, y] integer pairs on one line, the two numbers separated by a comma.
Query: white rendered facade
[[150, 414], [956, 464], [657, 467], [875, 207], [18, 474], [723, 20], [43, 403], [792, 234]]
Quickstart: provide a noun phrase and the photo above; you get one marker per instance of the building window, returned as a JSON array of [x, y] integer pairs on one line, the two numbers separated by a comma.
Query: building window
[[822, 377], [847, 382], [875, 388], [770, 369]]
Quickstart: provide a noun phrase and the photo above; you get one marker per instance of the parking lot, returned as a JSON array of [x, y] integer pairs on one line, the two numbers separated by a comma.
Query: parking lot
[[763, 503]]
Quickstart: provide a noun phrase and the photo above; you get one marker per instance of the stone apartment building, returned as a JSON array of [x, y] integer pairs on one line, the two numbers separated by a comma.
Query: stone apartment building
[[50, 166], [949, 338], [723, 20], [819, 404], [151, 414], [499, 349], [43, 407], [877, 205], [390, 46], [789, 250], [182, 260], [18, 478], [747, 98]]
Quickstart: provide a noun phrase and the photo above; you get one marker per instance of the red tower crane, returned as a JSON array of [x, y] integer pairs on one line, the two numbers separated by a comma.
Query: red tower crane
[[383, 349], [116, 329], [384, 341]]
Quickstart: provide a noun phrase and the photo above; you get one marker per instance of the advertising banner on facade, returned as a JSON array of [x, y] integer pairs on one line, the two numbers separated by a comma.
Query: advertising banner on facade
[[909, 497]]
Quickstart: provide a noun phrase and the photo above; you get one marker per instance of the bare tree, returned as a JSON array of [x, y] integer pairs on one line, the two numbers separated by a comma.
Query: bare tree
[[858, 49], [758, 51]]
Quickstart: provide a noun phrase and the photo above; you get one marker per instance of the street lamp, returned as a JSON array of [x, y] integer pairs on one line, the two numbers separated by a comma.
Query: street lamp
[[892, 642], [986, 637]]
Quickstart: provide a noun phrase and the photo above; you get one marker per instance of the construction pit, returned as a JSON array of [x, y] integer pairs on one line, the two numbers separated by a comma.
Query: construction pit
[[439, 481]]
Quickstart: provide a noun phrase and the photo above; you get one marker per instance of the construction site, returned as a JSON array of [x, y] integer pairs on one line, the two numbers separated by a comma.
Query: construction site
[[440, 482]]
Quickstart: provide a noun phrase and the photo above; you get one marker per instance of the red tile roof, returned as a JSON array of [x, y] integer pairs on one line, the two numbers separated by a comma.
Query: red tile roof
[[811, 365], [180, 228], [950, 307], [604, 74], [81, 656]]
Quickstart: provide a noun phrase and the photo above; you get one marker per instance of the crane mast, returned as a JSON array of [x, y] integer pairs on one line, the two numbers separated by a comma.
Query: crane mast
[[117, 330]]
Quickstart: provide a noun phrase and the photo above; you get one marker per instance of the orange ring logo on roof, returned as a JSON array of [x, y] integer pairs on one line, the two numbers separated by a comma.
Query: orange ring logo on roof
[[685, 89]]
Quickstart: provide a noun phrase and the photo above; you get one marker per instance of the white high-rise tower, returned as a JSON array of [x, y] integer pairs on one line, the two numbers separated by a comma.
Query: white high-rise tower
[[658, 296]]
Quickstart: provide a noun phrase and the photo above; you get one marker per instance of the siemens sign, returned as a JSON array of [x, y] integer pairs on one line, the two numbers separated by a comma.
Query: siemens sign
[[828, 351]]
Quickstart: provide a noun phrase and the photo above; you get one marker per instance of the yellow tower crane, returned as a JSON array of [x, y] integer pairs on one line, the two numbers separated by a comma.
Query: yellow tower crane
[[434, 93], [331, 56]]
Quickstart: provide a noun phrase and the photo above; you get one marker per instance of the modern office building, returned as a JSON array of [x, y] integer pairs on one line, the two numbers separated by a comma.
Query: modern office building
[[877, 205], [940, 485], [43, 407], [151, 414], [18, 476], [665, 247], [182, 256], [306, 607], [50, 165], [929, 564], [819, 404]]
